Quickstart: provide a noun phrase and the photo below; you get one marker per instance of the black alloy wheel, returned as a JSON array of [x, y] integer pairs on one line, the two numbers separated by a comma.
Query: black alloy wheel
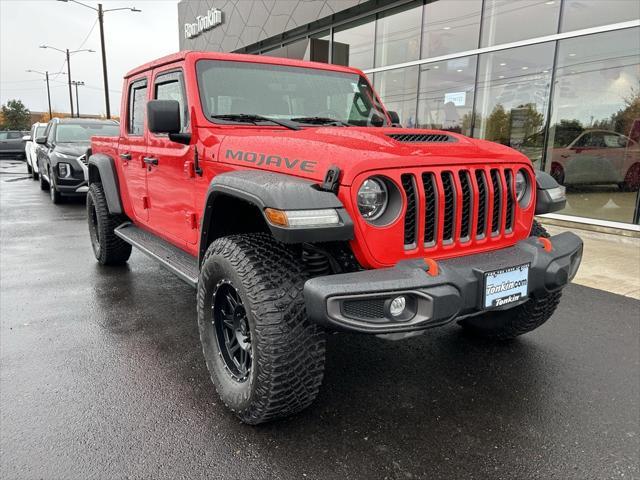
[[231, 326]]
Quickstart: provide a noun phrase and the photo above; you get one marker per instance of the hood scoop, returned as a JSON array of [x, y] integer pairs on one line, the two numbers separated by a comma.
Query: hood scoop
[[422, 137]]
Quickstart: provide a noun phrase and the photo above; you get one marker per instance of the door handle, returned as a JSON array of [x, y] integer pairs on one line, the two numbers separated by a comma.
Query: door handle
[[125, 156], [150, 160]]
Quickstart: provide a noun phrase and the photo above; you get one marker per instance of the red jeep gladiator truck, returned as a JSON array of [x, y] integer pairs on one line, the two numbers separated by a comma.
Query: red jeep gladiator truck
[[295, 204]]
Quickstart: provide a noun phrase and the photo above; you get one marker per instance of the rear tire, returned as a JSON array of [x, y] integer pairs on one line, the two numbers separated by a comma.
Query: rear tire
[[285, 365], [44, 185], [508, 324], [108, 248]]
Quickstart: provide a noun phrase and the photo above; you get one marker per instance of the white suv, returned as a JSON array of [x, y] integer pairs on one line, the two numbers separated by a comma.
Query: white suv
[[31, 147]]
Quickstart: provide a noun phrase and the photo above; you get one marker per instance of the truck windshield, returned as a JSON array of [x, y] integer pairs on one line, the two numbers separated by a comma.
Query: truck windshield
[[303, 95], [82, 132]]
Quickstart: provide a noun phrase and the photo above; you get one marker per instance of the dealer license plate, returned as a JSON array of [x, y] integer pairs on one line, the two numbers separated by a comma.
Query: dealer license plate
[[505, 286]]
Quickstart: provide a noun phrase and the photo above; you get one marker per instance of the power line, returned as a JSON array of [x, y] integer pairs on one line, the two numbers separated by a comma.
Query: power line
[[88, 35]]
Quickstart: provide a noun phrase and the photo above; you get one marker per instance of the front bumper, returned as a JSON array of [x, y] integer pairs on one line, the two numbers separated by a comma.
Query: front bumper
[[360, 301]]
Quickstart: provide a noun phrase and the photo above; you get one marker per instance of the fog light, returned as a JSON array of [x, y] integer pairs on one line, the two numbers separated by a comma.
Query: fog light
[[398, 306]]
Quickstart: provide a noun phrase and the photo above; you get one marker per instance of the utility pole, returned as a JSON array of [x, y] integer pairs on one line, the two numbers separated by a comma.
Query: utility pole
[[105, 77], [77, 99], [46, 76]]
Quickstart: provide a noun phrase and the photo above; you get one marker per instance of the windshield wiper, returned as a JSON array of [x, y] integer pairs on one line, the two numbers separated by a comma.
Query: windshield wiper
[[253, 118], [321, 121]]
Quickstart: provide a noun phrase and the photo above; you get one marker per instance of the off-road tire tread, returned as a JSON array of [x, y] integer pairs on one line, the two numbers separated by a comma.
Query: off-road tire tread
[[113, 250], [523, 318], [291, 350]]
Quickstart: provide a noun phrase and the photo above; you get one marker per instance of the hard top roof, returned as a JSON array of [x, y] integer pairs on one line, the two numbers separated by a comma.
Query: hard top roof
[[181, 56]]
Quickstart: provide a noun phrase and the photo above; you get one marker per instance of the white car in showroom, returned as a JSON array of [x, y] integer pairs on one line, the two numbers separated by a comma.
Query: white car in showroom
[[31, 147]]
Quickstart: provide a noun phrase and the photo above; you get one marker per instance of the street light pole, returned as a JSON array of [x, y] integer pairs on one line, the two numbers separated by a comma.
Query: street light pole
[[101, 13], [104, 62], [46, 74], [69, 81], [68, 55]]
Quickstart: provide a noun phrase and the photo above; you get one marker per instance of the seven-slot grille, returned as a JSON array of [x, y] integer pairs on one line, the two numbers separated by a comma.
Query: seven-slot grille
[[458, 206]]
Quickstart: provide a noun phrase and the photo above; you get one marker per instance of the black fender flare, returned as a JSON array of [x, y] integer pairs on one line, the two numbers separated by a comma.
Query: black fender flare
[[545, 203], [102, 168], [282, 192]]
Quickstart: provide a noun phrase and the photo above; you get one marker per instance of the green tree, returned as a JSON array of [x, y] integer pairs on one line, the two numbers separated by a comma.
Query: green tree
[[15, 116], [497, 129]]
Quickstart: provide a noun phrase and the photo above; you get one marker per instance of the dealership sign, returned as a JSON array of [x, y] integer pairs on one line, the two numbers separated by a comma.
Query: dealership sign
[[212, 19]]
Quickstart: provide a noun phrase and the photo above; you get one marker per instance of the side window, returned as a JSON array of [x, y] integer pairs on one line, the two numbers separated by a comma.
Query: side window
[[51, 131], [137, 107], [170, 86], [3, 135], [14, 135]]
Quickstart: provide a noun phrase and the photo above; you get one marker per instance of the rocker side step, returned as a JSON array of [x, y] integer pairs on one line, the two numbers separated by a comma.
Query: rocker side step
[[175, 260]]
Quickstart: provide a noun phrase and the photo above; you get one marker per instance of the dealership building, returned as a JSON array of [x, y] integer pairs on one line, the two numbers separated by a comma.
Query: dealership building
[[558, 80]]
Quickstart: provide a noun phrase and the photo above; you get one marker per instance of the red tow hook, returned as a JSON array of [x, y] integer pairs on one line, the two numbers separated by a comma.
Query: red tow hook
[[546, 244]]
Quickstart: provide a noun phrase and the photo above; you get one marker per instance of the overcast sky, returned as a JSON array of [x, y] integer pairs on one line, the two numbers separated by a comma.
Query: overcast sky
[[131, 39]]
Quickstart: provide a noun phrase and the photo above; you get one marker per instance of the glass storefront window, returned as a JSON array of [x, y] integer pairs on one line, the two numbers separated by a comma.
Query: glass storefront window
[[445, 97], [594, 131], [398, 35], [353, 44], [512, 97], [398, 91], [507, 21], [577, 14], [450, 26]]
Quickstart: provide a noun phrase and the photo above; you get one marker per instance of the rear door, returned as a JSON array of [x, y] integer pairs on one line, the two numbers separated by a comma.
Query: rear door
[[132, 148], [170, 176]]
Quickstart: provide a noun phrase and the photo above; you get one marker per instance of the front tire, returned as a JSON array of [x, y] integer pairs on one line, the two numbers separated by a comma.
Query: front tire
[[516, 321], [250, 298], [108, 248], [54, 194], [29, 169]]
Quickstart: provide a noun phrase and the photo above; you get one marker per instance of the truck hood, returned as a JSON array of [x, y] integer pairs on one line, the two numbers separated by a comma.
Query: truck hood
[[309, 152]]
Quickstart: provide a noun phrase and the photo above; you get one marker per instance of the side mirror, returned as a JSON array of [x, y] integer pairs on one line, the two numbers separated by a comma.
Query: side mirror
[[163, 116], [394, 117], [41, 140], [26, 138]]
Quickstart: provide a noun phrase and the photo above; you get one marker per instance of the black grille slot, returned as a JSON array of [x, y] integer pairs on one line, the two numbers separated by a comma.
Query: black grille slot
[[430, 210], [449, 207], [510, 200], [497, 202], [422, 137], [367, 309], [481, 220], [467, 205], [410, 219]]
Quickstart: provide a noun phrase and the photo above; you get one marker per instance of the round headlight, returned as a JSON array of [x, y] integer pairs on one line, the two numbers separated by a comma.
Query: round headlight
[[372, 198], [521, 185]]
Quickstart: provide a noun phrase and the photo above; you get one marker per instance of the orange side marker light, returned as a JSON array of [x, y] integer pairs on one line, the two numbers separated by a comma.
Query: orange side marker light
[[546, 244], [433, 267]]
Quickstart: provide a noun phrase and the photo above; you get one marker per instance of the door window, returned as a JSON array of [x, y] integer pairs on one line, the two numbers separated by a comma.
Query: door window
[[170, 86], [51, 134], [137, 107]]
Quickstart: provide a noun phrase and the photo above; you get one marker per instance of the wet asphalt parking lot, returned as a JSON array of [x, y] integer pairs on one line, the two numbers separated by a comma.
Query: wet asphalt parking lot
[[102, 377]]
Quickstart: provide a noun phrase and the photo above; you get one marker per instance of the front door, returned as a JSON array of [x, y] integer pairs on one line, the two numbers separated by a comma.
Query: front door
[[132, 150], [170, 175]]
